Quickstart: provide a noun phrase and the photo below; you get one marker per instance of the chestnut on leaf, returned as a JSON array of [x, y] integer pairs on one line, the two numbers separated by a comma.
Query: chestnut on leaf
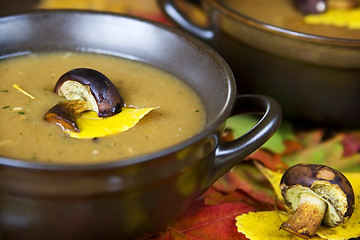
[[318, 194], [85, 89]]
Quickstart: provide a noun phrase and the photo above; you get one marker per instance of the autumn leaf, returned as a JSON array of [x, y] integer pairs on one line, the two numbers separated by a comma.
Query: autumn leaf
[[339, 152], [351, 143], [209, 222], [214, 197], [251, 225], [246, 178], [351, 163], [310, 138], [318, 153], [242, 123], [273, 177], [271, 160], [264, 225], [251, 186]]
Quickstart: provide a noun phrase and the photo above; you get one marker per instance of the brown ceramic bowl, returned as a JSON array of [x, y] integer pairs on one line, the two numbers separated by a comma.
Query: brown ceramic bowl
[[315, 79], [132, 198]]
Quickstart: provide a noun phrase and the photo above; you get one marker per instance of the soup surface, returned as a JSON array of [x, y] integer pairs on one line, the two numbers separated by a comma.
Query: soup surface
[[25, 135], [282, 13]]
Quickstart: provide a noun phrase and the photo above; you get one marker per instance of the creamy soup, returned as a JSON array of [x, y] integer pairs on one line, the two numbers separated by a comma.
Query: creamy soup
[[282, 13], [25, 135]]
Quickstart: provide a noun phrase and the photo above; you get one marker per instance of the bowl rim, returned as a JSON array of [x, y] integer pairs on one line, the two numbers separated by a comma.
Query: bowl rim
[[245, 19], [208, 129]]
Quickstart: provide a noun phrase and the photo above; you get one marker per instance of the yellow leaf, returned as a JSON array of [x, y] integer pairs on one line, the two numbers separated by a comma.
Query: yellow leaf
[[336, 17], [92, 126], [273, 177], [265, 225]]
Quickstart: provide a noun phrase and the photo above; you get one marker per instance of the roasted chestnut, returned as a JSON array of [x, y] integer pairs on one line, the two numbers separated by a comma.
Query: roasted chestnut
[[65, 114], [85, 89], [318, 194], [93, 87]]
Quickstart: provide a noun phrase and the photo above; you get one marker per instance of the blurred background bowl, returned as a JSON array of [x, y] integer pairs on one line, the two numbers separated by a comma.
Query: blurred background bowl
[[316, 79]]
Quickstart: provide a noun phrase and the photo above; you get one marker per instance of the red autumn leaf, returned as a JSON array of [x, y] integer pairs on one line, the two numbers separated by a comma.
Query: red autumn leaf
[[351, 143], [292, 146], [214, 197], [247, 178], [208, 223], [271, 160]]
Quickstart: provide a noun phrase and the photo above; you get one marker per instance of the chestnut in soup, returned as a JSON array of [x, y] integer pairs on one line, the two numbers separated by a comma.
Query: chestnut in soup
[[92, 91]]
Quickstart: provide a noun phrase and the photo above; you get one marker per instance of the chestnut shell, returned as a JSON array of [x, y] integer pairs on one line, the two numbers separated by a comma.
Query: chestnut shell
[[107, 96], [306, 174]]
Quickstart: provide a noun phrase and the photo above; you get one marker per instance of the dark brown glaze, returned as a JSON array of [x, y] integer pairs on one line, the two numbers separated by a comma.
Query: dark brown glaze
[[107, 96], [307, 174]]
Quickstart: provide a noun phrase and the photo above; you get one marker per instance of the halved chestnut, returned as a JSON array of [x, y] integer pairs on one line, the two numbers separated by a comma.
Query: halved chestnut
[[85, 89], [65, 114], [93, 87], [317, 194]]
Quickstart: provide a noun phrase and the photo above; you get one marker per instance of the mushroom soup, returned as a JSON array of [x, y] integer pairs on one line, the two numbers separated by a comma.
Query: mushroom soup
[[283, 14], [179, 112]]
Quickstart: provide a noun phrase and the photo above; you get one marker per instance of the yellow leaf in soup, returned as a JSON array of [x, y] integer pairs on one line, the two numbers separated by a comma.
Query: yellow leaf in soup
[[336, 17], [92, 126]]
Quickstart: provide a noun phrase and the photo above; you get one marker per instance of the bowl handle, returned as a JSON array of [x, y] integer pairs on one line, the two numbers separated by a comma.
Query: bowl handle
[[175, 14], [228, 154]]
